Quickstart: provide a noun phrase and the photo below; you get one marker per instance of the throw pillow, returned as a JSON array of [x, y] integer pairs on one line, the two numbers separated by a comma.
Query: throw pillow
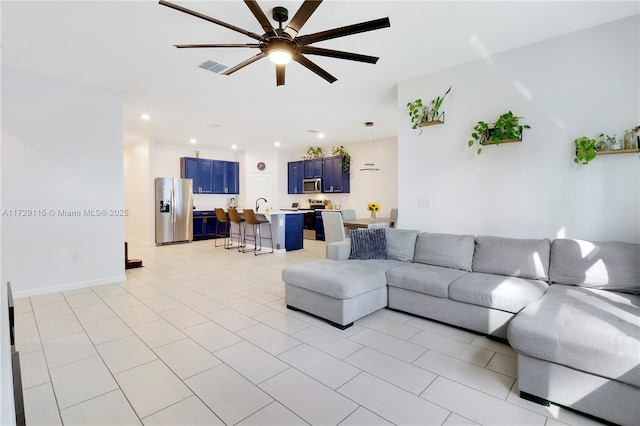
[[368, 244]]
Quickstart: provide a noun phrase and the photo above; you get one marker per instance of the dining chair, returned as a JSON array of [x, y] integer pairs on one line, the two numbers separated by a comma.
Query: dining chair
[[256, 222], [235, 218], [223, 222], [348, 214], [394, 217], [333, 227]]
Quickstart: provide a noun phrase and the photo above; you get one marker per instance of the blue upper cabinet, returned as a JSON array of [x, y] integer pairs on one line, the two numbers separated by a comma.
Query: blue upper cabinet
[[295, 175], [226, 177], [313, 168], [334, 178], [232, 177], [206, 176], [211, 176], [200, 171]]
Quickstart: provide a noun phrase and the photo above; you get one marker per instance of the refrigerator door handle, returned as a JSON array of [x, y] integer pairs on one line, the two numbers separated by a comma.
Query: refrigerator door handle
[[173, 211]]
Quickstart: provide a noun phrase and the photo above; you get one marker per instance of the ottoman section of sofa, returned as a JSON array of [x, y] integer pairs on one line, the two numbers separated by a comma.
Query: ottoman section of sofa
[[338, 291], [590, 330]]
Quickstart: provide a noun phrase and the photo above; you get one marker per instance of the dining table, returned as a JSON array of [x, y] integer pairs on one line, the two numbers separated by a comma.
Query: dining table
[[378, 222]]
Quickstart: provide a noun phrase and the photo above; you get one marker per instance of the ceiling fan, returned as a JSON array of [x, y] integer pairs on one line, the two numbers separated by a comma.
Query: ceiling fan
[[282, 45]]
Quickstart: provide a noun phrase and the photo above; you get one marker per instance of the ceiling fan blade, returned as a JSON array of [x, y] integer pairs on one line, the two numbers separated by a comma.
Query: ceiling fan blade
[[280, 74], [301, 17], [315, 68], [210, 19], [244, 64], [339, 54], [260, 16], [189, 46], [362, 27]]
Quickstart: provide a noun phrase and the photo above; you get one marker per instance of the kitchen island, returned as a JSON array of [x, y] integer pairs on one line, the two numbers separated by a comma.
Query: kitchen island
[[286, 227]]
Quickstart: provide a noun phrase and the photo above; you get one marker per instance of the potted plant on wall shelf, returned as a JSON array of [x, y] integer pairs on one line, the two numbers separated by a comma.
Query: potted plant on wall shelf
[[507, 128], [427, 115], [585, 150]]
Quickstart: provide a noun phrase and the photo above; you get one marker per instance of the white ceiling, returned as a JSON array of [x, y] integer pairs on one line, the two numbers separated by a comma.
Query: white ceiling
[[127, 46]]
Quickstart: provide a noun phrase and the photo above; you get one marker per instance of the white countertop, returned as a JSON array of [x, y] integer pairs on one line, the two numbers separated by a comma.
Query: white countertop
[[277, 212]]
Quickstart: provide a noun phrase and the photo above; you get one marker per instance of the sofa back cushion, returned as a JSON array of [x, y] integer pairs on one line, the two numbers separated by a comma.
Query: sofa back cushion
[[448, 250], [609, 265], [401, 243], [512, 257]]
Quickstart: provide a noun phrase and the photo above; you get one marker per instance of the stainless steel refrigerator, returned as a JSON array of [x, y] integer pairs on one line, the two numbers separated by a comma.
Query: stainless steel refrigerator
[[174, 210]]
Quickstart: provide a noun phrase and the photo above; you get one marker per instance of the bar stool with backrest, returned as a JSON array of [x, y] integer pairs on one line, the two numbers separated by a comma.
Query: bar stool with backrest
[[234, 217], [223, 222], [251, 219]]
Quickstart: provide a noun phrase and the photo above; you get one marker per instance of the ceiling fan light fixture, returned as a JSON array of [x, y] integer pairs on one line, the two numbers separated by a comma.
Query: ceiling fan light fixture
[[280, 56]]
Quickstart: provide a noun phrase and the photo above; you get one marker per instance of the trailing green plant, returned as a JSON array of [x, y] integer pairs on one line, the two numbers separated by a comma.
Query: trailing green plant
[[346, 157], [421, 113], [585, 150], [313, 152], [506, 127]]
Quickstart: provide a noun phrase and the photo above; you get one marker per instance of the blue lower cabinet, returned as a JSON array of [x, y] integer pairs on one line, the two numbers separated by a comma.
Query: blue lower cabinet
[[319, 227], [198, 228], [204, 224], [293, 224]]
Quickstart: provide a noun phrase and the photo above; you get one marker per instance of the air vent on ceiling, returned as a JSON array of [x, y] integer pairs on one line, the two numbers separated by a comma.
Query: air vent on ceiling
[[213, 67]]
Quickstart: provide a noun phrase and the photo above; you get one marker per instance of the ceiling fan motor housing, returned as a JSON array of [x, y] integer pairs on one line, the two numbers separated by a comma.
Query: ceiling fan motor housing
[[280, 14]]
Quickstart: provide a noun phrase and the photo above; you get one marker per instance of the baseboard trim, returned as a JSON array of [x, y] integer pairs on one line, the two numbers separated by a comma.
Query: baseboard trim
[[69, 286]]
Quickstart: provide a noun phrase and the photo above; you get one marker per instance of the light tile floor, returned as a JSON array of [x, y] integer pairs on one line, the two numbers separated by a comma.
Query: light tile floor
[[201, 335]]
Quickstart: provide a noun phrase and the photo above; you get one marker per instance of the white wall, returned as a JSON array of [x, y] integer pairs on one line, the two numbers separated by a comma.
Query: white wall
[[61, 149], [580, 84], [138, 196]]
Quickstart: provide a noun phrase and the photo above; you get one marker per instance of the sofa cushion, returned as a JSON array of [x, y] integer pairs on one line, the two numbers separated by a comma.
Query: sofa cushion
[[509, 294], [448, 250], [512, 257], [401, 243], [591, 330], [368, 244], [341, 279], [607, 265], [428, 279]]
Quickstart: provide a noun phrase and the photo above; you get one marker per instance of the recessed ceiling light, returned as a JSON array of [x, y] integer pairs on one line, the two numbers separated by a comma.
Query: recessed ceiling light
[[320, 135], [234, 146], [276, 144], [145, 117], [192, 140]]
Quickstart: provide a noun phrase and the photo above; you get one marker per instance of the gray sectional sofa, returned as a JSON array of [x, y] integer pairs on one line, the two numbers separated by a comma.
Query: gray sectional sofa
[[570, 308]]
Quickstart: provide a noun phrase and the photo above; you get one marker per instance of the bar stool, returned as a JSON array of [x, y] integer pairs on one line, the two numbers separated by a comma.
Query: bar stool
[[234, 217], [223, 220], [251, 219]]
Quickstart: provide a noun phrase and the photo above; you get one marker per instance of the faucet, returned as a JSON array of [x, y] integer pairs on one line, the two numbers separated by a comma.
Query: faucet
[[258, 201]]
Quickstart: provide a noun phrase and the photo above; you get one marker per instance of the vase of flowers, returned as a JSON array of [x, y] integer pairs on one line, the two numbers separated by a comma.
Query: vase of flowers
[[373, 208]]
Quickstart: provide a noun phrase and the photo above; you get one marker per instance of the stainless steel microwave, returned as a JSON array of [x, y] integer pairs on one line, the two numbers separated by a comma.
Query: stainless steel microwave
[[312, 186]]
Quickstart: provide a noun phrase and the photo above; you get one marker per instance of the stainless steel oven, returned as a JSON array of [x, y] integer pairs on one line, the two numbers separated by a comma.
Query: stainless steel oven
[[309, 220], [312, 186]]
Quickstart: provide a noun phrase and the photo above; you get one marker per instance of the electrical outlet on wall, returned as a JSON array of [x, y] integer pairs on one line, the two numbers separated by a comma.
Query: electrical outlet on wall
[[75, 257], [424, 202]]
